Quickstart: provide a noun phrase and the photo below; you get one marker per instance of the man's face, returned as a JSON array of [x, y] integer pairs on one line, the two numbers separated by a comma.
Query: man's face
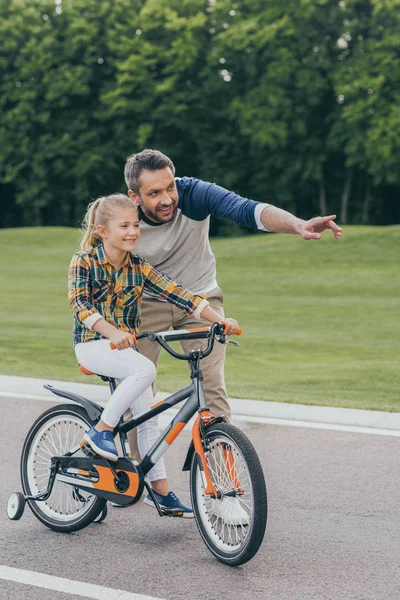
[[158, 196]]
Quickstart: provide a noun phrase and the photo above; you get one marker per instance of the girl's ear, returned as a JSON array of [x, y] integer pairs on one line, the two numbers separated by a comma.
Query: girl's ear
[[101, 230]]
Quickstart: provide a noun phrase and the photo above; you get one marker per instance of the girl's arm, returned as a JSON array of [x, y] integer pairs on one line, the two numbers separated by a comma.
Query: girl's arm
[[167, 288], [120, 339], [80, 302], [185, 300], [79, 290], [209, 314]]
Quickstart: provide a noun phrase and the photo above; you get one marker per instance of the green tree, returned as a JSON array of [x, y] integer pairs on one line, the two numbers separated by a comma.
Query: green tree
[[367, 87], [294, 103], [54, 143]]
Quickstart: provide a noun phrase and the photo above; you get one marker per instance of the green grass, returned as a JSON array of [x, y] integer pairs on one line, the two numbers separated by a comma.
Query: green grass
[[321, 319]]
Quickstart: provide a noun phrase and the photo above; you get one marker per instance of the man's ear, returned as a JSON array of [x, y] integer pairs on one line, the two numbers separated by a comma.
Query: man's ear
[[134, 197]]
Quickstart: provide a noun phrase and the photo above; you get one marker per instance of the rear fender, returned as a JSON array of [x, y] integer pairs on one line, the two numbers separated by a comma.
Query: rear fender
[[93, 410]]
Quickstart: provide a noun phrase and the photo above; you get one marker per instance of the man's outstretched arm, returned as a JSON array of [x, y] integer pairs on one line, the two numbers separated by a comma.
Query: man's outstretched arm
[[199, 199], [281, 221]]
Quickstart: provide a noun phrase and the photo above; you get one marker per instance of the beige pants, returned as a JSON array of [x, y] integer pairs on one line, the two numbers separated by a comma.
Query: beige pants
[[160, 316]]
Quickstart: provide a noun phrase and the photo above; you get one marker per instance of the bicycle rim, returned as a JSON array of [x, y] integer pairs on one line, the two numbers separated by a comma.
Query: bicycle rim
[[56, 436], [226, 535]]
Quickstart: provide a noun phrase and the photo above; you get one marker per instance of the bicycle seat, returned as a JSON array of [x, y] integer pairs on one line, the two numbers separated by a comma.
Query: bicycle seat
[[87, 372]]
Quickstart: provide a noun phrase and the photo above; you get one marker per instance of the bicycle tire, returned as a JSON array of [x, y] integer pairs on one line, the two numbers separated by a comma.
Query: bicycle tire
[[55, 432], [232, 544], [101, 516]]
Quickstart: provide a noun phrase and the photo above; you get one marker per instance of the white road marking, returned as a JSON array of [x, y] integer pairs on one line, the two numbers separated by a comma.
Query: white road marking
[[311, 425], [22, 396], [67, 586], [165, 418]]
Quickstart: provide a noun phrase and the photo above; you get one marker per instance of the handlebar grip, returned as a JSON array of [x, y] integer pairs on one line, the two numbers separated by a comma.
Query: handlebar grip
[[114, 347], [238, 332]]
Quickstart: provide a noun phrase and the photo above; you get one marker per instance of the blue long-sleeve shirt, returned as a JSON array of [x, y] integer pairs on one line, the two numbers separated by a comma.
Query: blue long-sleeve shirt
[[199, 199]]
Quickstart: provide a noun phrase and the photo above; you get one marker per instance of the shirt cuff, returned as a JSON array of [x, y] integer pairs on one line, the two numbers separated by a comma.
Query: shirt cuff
[[200, 308], [91, 320], [257, 215]]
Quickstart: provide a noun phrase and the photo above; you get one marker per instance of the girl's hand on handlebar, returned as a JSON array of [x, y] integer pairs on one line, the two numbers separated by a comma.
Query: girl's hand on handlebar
[[121, 340], [211, 315], [231, 327]]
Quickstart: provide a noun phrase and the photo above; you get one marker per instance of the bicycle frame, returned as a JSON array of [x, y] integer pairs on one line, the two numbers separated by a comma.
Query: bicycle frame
[[195, 400]]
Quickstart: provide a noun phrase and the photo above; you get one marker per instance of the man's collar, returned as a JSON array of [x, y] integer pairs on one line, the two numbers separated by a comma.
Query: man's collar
[[146, 220]]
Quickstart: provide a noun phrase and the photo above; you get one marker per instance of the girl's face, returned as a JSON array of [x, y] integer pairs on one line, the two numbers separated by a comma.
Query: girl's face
[[122, 231]]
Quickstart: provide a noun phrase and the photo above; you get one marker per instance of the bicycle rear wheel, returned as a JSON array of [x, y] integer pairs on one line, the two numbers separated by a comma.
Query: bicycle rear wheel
[[232, 525], [57, 431]]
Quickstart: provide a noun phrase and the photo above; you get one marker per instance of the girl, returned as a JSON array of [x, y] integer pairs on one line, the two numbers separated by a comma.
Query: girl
[[106, 283]]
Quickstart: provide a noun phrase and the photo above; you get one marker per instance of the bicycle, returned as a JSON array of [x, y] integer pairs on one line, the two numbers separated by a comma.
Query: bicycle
[[67, 486]]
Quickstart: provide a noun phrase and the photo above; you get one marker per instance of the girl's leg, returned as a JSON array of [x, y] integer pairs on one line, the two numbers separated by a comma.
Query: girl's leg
[[148, 434], [135, 372]]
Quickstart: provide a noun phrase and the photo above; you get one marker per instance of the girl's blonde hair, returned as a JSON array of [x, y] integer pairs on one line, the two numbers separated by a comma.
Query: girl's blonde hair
[[100, 212]]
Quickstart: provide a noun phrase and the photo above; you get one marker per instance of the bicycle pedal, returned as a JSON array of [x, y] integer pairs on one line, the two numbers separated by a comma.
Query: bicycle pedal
[[172, 512], [87, 451]]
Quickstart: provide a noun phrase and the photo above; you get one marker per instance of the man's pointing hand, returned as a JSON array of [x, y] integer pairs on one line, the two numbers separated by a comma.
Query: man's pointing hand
[[312, 229]]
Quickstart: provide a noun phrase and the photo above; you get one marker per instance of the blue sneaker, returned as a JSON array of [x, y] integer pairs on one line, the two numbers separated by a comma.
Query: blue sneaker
[[102, 442], [169, 501]]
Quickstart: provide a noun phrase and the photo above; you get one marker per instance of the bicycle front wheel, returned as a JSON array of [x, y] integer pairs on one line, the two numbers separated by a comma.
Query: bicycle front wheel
[[57, 431], [233, 524]]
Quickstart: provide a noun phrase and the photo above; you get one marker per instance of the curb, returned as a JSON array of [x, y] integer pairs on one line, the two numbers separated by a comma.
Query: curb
[[250, 410]]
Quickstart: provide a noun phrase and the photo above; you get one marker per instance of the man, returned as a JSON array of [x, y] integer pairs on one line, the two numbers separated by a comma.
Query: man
[[175, 214]]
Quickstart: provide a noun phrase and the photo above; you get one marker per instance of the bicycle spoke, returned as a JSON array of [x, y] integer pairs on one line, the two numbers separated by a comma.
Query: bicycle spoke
[[57, 437], [228, 472]]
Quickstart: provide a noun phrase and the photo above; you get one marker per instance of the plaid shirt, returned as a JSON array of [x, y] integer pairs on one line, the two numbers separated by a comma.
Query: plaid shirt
[[95, 287]]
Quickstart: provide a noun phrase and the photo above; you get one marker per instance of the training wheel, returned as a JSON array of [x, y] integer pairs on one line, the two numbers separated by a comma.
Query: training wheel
[[101, 516], [15, 506]]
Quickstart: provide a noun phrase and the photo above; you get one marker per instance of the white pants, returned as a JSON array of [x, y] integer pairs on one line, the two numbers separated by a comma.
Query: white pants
[[135, 374]]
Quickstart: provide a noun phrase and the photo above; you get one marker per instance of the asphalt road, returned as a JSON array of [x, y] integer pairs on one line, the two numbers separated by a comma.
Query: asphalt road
[[333, 531]]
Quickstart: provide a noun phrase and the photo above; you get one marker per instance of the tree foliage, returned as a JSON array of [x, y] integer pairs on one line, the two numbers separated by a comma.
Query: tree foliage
[[295, 103]]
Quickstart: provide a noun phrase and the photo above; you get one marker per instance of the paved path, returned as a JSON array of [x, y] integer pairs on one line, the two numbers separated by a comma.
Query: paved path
[[333, 530], [278, 413]]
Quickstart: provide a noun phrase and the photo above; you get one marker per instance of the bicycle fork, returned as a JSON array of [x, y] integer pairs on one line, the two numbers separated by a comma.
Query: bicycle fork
[[202, 418], [200, 445]]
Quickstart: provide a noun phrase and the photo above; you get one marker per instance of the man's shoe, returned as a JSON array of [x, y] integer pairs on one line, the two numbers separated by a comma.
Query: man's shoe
[[169, 501], [102, 442], [230, 511]]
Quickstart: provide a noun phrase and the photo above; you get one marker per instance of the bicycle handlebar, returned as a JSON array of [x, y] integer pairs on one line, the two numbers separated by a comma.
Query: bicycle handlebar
[[210, 333]]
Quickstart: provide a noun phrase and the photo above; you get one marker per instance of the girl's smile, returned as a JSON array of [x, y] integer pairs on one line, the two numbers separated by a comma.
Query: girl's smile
[[121, 234]]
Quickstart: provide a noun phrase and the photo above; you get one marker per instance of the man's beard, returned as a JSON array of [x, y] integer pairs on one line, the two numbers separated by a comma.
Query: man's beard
[[153, 216]]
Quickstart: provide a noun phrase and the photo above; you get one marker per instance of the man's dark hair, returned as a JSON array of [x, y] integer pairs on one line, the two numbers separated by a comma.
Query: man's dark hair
[[150, 160]]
